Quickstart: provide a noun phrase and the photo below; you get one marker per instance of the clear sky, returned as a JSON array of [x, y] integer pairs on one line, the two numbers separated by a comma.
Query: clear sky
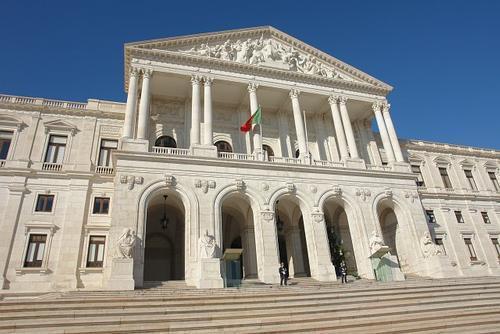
[[442, 57]]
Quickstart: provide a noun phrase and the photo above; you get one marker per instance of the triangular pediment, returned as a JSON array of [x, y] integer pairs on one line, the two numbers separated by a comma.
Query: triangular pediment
[[60, 125], [262, 47]]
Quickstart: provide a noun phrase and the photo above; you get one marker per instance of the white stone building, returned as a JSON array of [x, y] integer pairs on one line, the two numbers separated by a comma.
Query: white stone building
[[107, 195]]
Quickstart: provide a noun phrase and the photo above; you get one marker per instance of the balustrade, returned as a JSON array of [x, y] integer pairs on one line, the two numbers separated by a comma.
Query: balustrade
[[51, 167], [105, 170]]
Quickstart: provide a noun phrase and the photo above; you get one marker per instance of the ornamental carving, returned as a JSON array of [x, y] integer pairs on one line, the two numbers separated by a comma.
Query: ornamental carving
[[267, 215], [412, 196], [266, 52], [337, 191], [264, 186], [240, 184], [317, 216], [125, 244], [313, 189], [204, 185], [131, 180], [290, 187], [429, 248], [388, 192], [169, 180], [363, 193]]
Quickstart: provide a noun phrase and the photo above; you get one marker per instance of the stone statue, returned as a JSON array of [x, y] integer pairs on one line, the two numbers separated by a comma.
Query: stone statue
[[126, 243], [376, 242], [207, 246], [429, 248]]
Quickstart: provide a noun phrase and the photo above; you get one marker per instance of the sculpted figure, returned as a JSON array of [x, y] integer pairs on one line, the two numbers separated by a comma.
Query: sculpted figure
[[376, 242], [429, 248], [126, 243], [207, 246]]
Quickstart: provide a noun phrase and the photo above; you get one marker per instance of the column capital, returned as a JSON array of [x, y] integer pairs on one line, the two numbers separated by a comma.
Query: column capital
[[333, 99], [252, 87], [207, 81], [195, 79], [147, 72], [343, 99], [294, 93], [386, 106], [134, 71], [376, 106]]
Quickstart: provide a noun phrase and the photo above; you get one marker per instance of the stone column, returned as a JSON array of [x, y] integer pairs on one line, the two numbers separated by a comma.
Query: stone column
[[266, 245], [296, 265], [8, 226], [299, 122], [207, 111], [383, 131], [143, 122], [131, 104], [351, 142], [254, 105], [392, 132], [195, 110], [318, 248], [339, 128], [249, 258]]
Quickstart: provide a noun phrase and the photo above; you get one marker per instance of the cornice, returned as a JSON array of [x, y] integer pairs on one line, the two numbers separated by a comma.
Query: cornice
[[443, 148], [147, 47]]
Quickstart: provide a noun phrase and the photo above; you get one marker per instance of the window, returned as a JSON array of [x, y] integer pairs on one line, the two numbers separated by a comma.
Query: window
[[101, 205], [494, 180], [444, 176], [420, 179], [268, 150], [36, 248], [439, 242], [297, 153], [223, 146], [166, 141], [486, 219], [496, 245], [460, 218], [5, 139], [95, 255], [431, 218], [470, 248], [107, 147], [44, 203], [470, 179], [55, 149]]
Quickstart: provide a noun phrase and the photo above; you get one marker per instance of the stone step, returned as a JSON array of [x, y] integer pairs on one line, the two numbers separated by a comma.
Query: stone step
[[160, 308], [247, 301], [232, 318]]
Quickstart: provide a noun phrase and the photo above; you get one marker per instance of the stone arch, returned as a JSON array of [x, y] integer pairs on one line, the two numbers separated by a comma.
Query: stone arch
[[387, 207], [191, 223], [304, 200]]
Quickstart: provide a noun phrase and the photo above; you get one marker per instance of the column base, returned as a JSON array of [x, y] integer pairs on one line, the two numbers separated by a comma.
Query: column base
[[210, 277], [122, 275], [209, 151], [326, 273], [134, 145], [440, 266], [355, 163], [3, 283]]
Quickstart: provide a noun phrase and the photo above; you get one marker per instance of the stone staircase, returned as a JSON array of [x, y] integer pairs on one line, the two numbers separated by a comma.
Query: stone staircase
[[463, 305]]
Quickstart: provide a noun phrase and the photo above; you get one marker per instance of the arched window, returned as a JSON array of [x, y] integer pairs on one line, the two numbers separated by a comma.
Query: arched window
[[268, 150], [297, 153], [223, 146], [166, 141]]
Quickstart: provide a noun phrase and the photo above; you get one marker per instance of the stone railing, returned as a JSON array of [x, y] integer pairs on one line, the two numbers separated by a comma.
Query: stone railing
[[326, 163], [377, 167], [42, 102], [236, 156], [51, 167], [285, 160], [2, 163], [171, 150], [104, 170]]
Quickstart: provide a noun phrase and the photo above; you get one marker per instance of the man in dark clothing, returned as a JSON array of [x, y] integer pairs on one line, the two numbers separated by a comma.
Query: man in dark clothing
[[283, 274], [343, 272]]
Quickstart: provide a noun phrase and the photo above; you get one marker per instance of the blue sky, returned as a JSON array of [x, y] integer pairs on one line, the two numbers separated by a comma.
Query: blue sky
[[442, 57]]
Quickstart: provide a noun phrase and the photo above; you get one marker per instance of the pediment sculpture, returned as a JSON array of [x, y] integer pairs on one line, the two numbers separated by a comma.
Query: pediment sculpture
[[266, 52]]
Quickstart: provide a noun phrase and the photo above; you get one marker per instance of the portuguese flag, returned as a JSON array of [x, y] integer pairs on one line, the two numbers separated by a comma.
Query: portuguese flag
[[256, 118]]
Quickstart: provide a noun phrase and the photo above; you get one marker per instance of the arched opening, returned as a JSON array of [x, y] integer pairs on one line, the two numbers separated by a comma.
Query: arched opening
[[291, 237], [390, 229], [339, 236], [223, 146], [268, 151], [166, 141], [297, 153], [238, 233], [164, 241]]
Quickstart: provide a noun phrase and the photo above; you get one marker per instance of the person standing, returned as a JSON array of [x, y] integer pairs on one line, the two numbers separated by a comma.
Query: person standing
[[343, 272], [283, 274]]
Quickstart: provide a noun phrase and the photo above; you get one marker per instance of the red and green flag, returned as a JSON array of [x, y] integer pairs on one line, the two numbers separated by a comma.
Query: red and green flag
[[256, 118]]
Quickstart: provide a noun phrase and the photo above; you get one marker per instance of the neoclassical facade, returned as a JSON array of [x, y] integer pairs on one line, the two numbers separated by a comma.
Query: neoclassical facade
[[109, 195]]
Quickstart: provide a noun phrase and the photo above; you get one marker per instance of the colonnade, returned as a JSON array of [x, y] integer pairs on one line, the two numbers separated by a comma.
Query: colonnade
[[338, 105]]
